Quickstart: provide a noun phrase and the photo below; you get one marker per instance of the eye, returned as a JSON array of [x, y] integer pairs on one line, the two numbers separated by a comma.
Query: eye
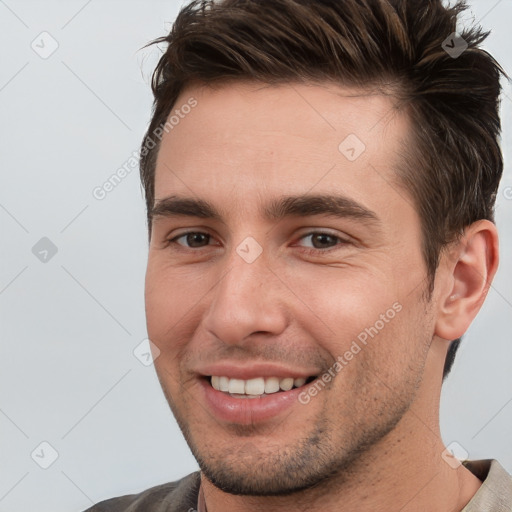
[[320, 241], [192, 239]]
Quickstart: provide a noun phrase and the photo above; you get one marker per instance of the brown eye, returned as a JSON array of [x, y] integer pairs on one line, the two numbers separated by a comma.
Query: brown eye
[[193, 239], [323, 240], [320, 241]]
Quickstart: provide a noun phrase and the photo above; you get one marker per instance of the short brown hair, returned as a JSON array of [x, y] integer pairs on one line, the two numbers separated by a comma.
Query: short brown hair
[[454, 167]]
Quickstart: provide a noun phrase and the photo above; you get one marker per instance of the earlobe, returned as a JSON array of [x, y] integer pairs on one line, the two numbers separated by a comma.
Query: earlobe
[[471, 268]]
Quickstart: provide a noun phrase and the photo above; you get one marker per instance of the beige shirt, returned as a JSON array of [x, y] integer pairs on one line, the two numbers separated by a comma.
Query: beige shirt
[[494, 495]]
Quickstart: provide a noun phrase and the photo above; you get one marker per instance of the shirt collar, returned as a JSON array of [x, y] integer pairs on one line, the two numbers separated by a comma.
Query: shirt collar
[[201, 504]]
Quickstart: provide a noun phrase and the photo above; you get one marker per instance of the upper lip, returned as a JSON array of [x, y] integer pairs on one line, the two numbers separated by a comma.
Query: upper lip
[[248, 371]]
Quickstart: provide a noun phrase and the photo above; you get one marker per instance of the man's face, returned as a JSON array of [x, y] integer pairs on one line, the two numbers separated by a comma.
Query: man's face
[[267, 284]]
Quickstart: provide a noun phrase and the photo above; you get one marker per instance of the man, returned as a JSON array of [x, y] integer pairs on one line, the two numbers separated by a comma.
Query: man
[[320, 178]]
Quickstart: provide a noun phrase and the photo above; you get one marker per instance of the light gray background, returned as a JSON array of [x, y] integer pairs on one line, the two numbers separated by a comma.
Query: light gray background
[[69, 326]]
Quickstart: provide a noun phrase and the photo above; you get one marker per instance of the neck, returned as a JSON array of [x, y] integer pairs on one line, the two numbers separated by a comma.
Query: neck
[[404, 471]]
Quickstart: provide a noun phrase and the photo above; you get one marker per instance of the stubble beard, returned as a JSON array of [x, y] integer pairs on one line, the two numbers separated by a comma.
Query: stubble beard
[[319, 460]]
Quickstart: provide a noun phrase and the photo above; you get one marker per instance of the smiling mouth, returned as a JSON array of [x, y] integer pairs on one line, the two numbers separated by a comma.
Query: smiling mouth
[[257, 387]]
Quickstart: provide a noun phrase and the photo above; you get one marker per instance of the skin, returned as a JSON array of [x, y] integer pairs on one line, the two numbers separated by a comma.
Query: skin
[[370, 440]]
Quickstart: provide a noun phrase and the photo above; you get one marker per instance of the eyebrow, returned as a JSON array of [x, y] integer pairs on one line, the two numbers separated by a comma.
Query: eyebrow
[[287, 206], [174, 206]]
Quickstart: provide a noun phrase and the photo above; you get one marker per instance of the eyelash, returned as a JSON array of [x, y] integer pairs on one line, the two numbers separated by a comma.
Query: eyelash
[[308, 250]]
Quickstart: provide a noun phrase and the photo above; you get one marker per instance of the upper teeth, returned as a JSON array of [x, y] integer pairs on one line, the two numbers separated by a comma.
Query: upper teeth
[[257, 386]]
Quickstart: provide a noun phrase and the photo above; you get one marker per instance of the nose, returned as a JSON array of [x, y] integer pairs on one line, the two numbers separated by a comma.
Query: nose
[[247, 300]]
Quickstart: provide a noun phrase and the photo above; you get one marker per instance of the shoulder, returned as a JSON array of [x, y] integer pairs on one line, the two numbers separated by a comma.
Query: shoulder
[[179, 496], [495, 494]]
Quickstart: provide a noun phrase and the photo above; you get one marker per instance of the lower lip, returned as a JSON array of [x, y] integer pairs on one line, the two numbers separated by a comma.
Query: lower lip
[[247, 411]]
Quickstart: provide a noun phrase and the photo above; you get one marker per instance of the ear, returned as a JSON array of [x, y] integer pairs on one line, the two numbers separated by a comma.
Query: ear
[[468, 270]]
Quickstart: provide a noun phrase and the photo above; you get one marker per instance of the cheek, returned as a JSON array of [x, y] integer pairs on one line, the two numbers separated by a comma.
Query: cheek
[[399, 348], [159, 306], [342, 302], [165, 301], [364, 321], [173, 299]]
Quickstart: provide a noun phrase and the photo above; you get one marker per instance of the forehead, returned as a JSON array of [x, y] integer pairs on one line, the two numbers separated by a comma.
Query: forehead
[[242, 142]]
